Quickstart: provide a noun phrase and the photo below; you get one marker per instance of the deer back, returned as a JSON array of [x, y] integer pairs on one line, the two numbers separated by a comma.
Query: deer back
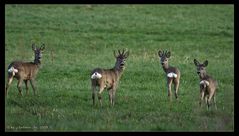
[[108, 77], [212, 84], [173, 70], [26, 70]]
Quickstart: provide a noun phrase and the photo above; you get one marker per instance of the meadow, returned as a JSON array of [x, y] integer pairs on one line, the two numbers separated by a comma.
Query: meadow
[[79, 38]]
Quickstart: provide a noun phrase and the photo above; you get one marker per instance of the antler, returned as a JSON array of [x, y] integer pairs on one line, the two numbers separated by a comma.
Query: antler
[[126, 55], [119, 52], [164, 53], [123, 52]]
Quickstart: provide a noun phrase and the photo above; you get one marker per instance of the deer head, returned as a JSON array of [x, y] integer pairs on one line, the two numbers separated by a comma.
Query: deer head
[[164, 57], [38, 52], [121, 58], [201, 68]]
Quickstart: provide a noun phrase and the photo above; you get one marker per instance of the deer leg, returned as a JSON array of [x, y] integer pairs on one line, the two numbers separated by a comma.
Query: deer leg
[[9, 81], [33, 86], [214, 100], [169, 83], [19, 84], [99, 95], [176, 86], [114, 92], [111, 96], [201, 97], [206, 99], [26, 83], [209, 99], [93, 94], [113, 100]]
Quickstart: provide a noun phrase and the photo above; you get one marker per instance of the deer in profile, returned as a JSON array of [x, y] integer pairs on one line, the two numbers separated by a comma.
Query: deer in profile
[[108, 78], [207, 84], [172, 73], [25, 71]]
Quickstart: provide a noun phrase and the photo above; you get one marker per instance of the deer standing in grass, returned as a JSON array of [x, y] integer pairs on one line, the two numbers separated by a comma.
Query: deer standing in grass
[[108, 78], [172, 73], [207, 84], [25, 71]]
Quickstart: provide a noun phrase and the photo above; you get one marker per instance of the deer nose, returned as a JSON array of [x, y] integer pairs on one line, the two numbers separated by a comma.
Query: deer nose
[[198, 72], [162, 63]]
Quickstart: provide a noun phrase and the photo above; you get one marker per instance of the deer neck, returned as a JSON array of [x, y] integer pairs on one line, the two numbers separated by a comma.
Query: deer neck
[[203, 76], [165, 67], [37, 62], [118, 70]]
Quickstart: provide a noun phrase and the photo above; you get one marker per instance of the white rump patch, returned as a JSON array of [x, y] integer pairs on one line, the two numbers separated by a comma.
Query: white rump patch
[[204, 82], [96, 75], [172, 75], [12, 70]]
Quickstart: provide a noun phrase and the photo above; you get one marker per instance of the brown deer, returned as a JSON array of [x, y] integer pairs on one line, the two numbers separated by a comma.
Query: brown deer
[[172, 73], [25, 71], [207, 84], [108, 78]]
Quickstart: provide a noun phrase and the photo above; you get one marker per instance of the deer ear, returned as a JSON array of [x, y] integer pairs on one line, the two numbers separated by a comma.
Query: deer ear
[[42, 47], [126, 54], [196, 62], [168, 54], [205, 63], [34, 47], [160, 53]]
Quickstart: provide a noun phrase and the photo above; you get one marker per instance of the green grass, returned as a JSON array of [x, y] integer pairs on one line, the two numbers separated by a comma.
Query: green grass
[[83, 37]]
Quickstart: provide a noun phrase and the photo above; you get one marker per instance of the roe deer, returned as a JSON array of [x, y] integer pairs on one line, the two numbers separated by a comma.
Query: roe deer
[[108, 78], [207, 84], [25, 71], [172, 73]]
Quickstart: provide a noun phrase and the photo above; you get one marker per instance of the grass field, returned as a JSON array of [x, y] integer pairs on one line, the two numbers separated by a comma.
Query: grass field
[[79, 38]]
